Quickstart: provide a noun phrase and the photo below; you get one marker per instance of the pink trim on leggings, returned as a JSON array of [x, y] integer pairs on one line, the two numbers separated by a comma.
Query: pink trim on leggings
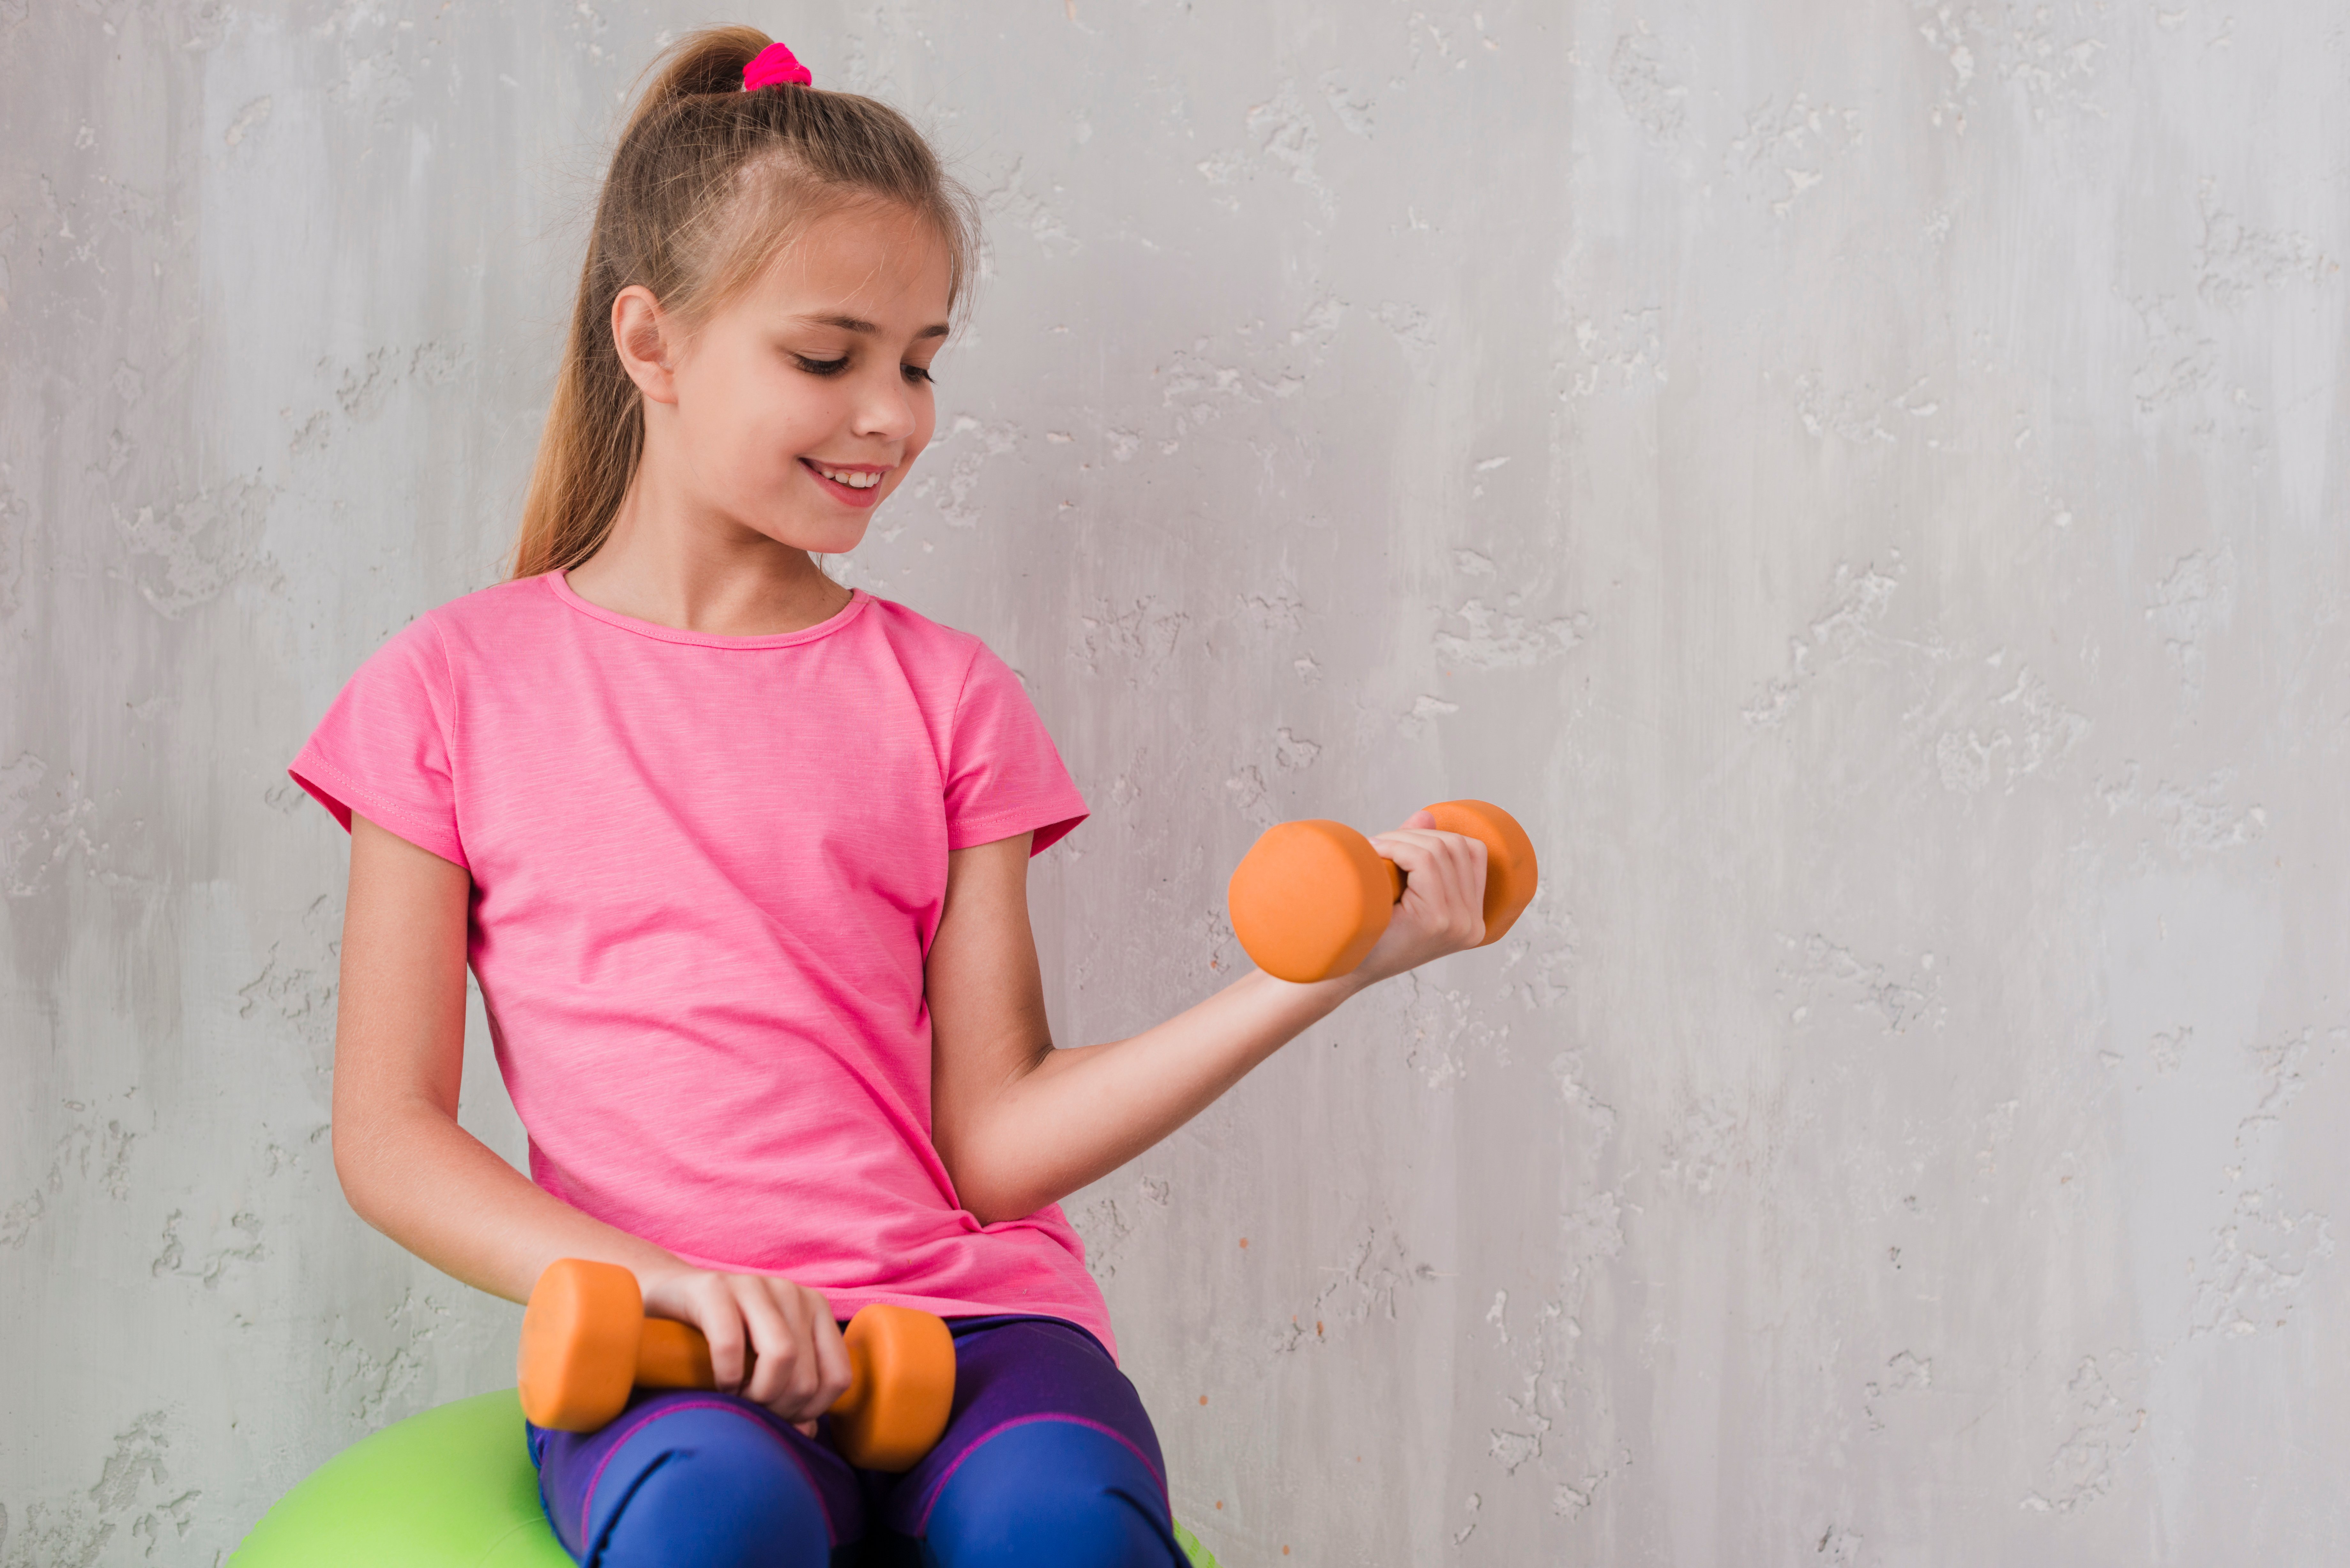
[[587, 1498], [922, 1525]]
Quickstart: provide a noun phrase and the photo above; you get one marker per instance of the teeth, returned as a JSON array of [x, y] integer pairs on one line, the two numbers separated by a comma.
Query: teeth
[[854, 481]]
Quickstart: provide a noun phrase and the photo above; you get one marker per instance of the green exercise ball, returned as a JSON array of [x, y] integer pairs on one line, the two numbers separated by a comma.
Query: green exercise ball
[[452, 1488]]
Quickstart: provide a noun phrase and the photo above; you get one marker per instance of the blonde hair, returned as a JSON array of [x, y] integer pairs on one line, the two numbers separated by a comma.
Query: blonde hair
[[707, 183]]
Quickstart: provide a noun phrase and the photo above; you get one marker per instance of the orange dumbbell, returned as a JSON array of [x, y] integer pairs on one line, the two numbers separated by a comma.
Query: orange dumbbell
[[586, 1342], [1310, 900]]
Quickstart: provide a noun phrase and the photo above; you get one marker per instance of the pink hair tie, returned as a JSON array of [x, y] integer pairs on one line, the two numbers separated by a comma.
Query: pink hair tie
[[774, 65]]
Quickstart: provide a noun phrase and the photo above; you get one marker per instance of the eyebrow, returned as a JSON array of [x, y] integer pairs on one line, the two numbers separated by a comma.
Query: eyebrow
[[853, 324]]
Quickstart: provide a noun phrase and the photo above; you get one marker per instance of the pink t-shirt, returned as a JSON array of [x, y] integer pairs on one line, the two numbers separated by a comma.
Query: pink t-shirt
[[706, 873]]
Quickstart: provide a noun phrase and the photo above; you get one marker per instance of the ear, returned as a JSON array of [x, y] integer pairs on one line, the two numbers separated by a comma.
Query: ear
[[641, 334]]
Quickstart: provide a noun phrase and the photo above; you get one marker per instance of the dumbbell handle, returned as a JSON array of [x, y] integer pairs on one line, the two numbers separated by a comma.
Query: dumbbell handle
[[673, 1354], [1508, 858]]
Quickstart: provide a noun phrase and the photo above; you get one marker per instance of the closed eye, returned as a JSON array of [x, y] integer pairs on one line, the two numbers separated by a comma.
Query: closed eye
[[919, 374], [821, 367]]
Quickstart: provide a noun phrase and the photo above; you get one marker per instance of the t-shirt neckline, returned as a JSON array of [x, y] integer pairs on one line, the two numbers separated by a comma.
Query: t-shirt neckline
[[561, 586]]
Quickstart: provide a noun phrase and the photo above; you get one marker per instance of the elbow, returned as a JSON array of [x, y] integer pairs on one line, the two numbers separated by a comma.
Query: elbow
[[991, 1194], [991, 1152], [368, 1140], [988, 1211], [354, 1168], [997, 1213]]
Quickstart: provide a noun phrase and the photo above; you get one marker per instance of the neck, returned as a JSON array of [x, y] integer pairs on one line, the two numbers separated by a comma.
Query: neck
[[671, 563]]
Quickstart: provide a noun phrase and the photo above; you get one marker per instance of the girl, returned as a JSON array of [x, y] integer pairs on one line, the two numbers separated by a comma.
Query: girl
[[739, 856]]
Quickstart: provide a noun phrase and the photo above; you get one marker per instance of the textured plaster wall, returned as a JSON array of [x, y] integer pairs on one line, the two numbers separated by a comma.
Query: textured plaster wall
[[1867, 481]]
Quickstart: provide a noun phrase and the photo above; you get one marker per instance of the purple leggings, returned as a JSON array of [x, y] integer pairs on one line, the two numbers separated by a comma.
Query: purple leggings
[[1048, 1459]]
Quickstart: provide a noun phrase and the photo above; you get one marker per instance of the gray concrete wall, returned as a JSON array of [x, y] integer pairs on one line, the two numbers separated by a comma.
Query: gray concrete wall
[[1866, 482]]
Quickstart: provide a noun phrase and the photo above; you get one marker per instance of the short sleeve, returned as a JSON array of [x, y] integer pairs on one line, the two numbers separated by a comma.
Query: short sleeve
[[1003, 775], [383, 749]]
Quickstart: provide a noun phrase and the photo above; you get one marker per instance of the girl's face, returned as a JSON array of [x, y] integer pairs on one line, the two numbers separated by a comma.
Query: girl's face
[[802, 401]]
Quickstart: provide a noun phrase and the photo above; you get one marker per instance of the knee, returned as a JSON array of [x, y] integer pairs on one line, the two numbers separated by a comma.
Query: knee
[[704, 1488], [1051, 1492]]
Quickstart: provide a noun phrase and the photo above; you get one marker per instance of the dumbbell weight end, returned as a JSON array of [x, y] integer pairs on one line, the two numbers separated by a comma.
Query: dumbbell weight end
[[901, 1389], [1310, 898]]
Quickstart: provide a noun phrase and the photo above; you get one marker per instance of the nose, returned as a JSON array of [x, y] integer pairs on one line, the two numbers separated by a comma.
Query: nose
[[885, 407]]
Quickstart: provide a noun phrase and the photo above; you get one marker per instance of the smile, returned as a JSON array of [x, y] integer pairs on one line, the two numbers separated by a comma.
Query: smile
[[855, 478]]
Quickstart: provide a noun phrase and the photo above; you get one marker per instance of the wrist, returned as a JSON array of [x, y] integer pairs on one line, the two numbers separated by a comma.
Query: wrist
[[1324, 996], [660, 1273]]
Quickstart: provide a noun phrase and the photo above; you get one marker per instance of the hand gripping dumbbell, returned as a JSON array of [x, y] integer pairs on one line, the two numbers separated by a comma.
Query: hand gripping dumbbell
[[1310, 898], [586, 1342]]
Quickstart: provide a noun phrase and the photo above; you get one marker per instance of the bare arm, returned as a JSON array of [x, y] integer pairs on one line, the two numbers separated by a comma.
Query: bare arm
[[411, 1172], [1020, 1125]]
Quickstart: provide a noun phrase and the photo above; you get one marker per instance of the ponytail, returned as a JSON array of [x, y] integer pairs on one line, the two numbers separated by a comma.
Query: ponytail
[[707, 182]]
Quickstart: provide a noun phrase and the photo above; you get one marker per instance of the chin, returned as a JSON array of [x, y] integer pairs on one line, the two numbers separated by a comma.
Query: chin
[[829, 541], [818, 537]]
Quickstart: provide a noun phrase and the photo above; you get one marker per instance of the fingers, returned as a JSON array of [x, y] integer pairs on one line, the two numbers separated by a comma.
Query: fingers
[[800, 1367], [1444, 882], [778, 1362], [771, 1341], [703, 1301], [834, 1372]]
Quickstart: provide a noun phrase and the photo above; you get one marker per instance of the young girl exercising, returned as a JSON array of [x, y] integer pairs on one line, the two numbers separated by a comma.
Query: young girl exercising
[[739, 857]]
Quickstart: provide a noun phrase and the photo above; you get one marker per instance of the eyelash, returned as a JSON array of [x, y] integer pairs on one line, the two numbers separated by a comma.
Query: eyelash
[[835, 366]]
